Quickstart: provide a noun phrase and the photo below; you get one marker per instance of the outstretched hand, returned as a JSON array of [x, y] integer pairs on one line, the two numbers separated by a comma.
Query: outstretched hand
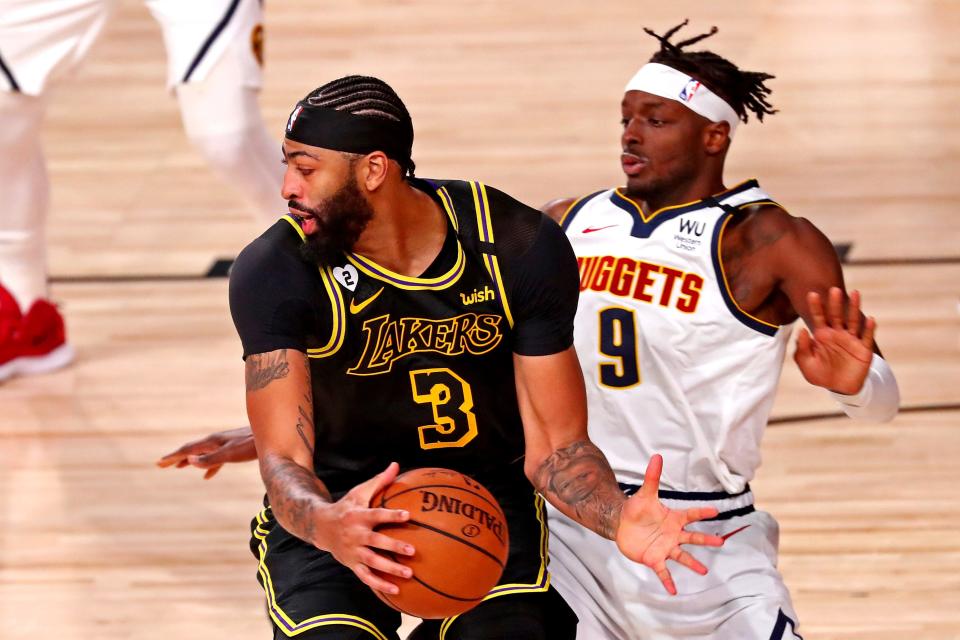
[[650, 533], [213, 451], [837, 355]]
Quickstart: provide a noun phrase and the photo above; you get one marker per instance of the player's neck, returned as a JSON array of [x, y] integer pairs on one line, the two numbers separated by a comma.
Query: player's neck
[[702, 186], [406, 233]]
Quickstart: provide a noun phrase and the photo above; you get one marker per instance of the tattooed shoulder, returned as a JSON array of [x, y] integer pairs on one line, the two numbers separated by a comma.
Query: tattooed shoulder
[[263, 368]]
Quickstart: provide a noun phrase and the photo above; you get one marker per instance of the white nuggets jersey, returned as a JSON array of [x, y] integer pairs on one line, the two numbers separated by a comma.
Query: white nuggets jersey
[[671, 363]]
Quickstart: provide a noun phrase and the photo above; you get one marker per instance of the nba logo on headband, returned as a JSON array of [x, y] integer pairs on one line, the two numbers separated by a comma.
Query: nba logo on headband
[[689, 90], [667, 82], [293, 117]]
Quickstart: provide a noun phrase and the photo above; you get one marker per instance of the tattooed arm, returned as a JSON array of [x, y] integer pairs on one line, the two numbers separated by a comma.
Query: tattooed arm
[[561, 462], [278, 398], [574, 475], [280, 408]]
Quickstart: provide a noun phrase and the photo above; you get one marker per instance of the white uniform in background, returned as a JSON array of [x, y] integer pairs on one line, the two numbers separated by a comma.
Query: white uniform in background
[[214, 50], [673, 366]]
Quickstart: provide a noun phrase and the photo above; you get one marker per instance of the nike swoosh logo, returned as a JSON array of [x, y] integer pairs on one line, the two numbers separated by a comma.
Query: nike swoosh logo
[[734, 532], [592, 229], [357, 308]]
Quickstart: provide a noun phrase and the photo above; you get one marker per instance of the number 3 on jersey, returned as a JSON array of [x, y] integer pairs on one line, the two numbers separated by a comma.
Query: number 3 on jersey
[[618, 339], [452, 401]]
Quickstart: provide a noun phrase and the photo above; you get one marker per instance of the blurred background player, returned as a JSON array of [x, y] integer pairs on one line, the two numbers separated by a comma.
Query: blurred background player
[[687, 293], [214, 57]]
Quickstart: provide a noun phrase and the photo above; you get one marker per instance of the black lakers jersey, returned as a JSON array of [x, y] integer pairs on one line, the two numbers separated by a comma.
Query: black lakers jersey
[[416, 369]]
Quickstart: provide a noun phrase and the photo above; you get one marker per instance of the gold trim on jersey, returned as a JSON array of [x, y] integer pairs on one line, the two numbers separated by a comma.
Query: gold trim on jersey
[[283, 621], [448, 205], [483, 219], [339, 317], [563, 218], [647, 218], [337, 307], [493, 267], [293, 223], [543, 577], [485, 228], [723, 272], [411, 283], [759, 203]]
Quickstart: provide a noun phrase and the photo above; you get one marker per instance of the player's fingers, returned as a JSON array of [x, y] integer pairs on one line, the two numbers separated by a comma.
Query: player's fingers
[[386, 543], [651, 479], [372, 580], [380, 516], [804, 344], [853, 313], [817, 316], [701, 539], [202, 461], [196, 447], [237, 450], [835, 308], [383, 564], [212, 471], [699, 513], [869, 329], [370, 488], [174, 457], [687, 560], [665, 578], [183, 463]]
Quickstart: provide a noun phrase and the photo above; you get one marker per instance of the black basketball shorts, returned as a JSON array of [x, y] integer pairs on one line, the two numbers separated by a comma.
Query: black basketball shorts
[[310, 595]]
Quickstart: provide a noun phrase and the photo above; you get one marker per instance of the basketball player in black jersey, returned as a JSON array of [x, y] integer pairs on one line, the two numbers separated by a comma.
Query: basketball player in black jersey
[[393, 320]]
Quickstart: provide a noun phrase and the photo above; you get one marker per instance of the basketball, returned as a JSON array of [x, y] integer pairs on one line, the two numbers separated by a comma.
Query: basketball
[[460, 535]]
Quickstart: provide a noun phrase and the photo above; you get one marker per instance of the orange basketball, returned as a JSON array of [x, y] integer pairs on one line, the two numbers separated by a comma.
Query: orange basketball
[[460, 535]]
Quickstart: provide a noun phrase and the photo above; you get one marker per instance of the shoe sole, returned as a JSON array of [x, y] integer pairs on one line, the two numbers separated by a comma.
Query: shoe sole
[[33, 365]]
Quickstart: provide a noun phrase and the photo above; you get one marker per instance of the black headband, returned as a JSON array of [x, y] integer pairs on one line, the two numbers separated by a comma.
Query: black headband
[[343, 131]]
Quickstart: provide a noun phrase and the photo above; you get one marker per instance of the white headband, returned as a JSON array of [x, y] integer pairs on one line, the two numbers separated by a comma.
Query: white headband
[[667, 82]]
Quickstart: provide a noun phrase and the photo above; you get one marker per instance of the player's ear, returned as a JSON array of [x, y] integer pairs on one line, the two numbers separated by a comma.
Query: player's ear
[[373, 170], [716, 137]]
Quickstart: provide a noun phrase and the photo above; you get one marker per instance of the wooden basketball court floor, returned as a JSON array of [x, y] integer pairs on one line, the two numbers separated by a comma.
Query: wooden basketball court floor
[[98, 543]]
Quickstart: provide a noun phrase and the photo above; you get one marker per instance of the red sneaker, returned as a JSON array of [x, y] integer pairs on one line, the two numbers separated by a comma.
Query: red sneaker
[[32, 343], [9, 315]]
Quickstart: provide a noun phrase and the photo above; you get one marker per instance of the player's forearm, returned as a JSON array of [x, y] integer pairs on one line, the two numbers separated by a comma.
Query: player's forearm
[[578, 480], [297, 497]]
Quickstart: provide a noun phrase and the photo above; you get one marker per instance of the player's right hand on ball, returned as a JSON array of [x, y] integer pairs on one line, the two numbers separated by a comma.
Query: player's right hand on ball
[[350, 523]]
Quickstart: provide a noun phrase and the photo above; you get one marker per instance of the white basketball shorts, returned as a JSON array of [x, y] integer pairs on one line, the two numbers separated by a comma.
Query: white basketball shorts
[[743, 596]]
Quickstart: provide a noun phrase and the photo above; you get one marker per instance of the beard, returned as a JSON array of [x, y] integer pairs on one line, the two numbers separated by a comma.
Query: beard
[[340, 220]]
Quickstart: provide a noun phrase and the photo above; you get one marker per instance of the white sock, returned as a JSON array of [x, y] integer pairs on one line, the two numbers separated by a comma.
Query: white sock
[[222, 119]]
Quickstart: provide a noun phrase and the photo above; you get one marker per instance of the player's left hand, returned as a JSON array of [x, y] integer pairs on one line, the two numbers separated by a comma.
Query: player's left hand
[[650, 533], [837, 356]]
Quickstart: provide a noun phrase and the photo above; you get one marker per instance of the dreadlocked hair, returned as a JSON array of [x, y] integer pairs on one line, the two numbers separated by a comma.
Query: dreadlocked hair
[[743, 90], [366, 96]]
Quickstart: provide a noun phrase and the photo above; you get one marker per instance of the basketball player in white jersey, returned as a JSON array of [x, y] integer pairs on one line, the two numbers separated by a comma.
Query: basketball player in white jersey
[[687, 291], [688, 287], [213, 55]]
